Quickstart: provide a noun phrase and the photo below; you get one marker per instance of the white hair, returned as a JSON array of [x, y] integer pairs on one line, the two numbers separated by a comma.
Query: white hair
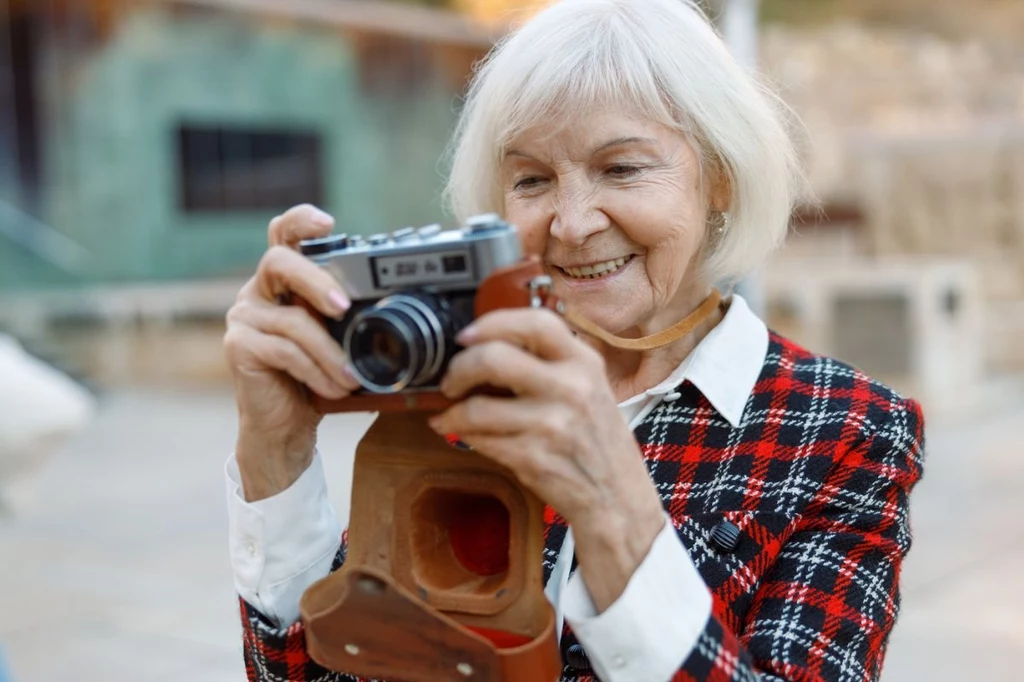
[[662, 58]]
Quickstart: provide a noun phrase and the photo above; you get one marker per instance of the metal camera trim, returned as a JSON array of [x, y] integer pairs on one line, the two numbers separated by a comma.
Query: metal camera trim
[[439, 342], [487, 242]]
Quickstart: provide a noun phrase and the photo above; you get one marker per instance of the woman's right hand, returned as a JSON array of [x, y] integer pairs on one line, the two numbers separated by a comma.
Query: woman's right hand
[[279, 354]]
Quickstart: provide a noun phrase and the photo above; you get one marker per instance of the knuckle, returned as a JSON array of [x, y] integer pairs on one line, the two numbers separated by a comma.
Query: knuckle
[[296, 320], [578, 391], [478, 361], [246, 291], [236, 313], [284, 354], [473, 411], [553, 423], [276, 226], [536, 469], [490, 357], [274, 259], [234, 342]]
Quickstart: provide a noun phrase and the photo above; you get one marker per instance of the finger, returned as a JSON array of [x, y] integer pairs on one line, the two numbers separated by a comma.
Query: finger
[[282, 270], [296, 324], [300, 222], [498, 364], [284, 355], [536, 467], [482, 415], [485, 415], [538, 330]]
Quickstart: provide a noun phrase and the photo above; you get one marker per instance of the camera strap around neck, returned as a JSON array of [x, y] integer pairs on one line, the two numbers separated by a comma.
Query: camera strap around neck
[[663, 338], [526, 284]]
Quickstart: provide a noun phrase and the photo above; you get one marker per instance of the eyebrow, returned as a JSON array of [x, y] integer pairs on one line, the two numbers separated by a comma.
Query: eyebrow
[[620, 141], [617, 142]]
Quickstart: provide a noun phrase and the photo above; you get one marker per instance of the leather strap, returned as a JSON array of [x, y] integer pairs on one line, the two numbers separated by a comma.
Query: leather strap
[[526, 284], [662, 338]]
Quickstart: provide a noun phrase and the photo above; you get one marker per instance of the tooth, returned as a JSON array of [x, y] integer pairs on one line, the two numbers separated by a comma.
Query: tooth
[[598, 269]]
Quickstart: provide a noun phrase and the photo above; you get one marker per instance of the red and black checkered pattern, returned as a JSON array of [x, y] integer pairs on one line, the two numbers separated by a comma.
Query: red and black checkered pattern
[[815, 477]]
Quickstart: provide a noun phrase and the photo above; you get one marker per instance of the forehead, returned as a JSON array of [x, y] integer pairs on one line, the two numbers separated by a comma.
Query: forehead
[[585, 131]]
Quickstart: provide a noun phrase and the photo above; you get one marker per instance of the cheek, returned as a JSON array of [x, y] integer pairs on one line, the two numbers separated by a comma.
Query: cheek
[[671, 253], [533, 229]]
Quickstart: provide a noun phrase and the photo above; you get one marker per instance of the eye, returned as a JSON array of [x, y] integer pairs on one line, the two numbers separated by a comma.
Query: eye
[[529, 182], [622, 170]]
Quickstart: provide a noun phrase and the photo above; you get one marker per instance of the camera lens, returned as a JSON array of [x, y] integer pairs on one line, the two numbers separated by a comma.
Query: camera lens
[[397, 343], [380, 349]]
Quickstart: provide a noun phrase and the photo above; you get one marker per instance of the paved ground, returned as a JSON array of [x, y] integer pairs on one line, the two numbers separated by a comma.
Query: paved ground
[[115, 566]]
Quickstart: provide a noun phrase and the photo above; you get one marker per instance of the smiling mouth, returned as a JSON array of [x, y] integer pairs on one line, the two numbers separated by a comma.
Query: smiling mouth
[[597, 270]]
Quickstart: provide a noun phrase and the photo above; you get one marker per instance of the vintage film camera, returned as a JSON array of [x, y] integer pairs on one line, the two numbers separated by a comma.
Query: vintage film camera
[[412, 291], [443, 577]]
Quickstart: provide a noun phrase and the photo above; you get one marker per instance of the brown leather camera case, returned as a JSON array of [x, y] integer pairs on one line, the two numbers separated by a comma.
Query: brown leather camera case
[[405, 605]]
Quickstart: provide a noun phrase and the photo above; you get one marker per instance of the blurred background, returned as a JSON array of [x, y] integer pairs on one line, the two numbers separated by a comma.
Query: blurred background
[[145, 144]]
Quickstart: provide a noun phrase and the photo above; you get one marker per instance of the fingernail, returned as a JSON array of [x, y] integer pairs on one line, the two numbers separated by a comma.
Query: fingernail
[[339, 300], [322, 219], [434, 422], [467, 335]]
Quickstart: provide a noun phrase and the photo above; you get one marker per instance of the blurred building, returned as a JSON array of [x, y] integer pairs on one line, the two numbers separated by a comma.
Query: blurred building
[[154, 139], [914, 144]]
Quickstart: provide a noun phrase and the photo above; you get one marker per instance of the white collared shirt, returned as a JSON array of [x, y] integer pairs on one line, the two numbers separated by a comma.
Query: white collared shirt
[[281, 545]]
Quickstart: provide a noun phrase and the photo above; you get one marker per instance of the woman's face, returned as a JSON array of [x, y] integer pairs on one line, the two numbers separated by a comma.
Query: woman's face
[[615, 206]]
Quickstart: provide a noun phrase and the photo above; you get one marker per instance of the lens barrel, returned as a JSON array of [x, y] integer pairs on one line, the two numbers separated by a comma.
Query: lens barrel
[[402, 341]]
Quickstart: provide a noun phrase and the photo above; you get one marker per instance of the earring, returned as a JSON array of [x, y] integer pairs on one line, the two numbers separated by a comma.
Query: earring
[[719, 222]]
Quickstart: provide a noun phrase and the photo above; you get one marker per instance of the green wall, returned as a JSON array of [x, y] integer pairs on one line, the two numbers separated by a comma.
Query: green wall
[[111, 147]]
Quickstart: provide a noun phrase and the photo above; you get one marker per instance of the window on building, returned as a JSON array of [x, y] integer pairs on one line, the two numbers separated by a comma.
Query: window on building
[[225, 168]]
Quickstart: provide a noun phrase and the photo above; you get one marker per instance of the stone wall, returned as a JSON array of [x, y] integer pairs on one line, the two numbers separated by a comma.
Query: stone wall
[[925, 135], [847, 83]]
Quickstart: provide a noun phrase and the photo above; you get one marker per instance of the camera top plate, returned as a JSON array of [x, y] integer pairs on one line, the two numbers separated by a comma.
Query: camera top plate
[[429, 257]]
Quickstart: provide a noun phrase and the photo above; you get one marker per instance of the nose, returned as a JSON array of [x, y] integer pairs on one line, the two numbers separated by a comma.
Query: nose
[[577, 214]]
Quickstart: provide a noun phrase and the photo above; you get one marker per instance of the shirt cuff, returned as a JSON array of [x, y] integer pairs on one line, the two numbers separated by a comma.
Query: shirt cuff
[[650, 630], [281, 545]]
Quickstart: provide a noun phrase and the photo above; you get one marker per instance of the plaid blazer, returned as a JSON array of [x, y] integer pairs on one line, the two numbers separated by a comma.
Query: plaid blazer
[[815, 478]]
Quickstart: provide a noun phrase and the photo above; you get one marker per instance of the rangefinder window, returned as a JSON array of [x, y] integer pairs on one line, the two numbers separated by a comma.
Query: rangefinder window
[[453, 264], [414, 269]]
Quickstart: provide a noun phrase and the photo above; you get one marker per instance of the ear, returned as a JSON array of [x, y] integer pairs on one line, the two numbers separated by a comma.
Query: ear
[[720, 187]]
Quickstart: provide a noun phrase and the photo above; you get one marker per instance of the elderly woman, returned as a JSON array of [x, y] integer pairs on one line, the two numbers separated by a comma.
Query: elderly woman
[[729, 506]]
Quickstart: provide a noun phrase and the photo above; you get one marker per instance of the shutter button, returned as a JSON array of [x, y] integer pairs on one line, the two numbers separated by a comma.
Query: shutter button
[[577, 658], [725, 536]]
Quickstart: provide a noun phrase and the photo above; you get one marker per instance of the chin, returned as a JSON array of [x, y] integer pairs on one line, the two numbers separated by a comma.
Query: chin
[[611, 318]]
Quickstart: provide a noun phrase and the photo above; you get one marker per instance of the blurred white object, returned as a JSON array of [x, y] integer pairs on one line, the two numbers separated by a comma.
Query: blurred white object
[[39, 408], [915, 323]]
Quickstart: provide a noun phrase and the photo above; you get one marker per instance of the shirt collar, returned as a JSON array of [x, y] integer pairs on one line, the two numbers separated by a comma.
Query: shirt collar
[[725, 365]]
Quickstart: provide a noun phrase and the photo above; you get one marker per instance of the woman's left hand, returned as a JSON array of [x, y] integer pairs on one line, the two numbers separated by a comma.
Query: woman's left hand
[[561, 434]]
